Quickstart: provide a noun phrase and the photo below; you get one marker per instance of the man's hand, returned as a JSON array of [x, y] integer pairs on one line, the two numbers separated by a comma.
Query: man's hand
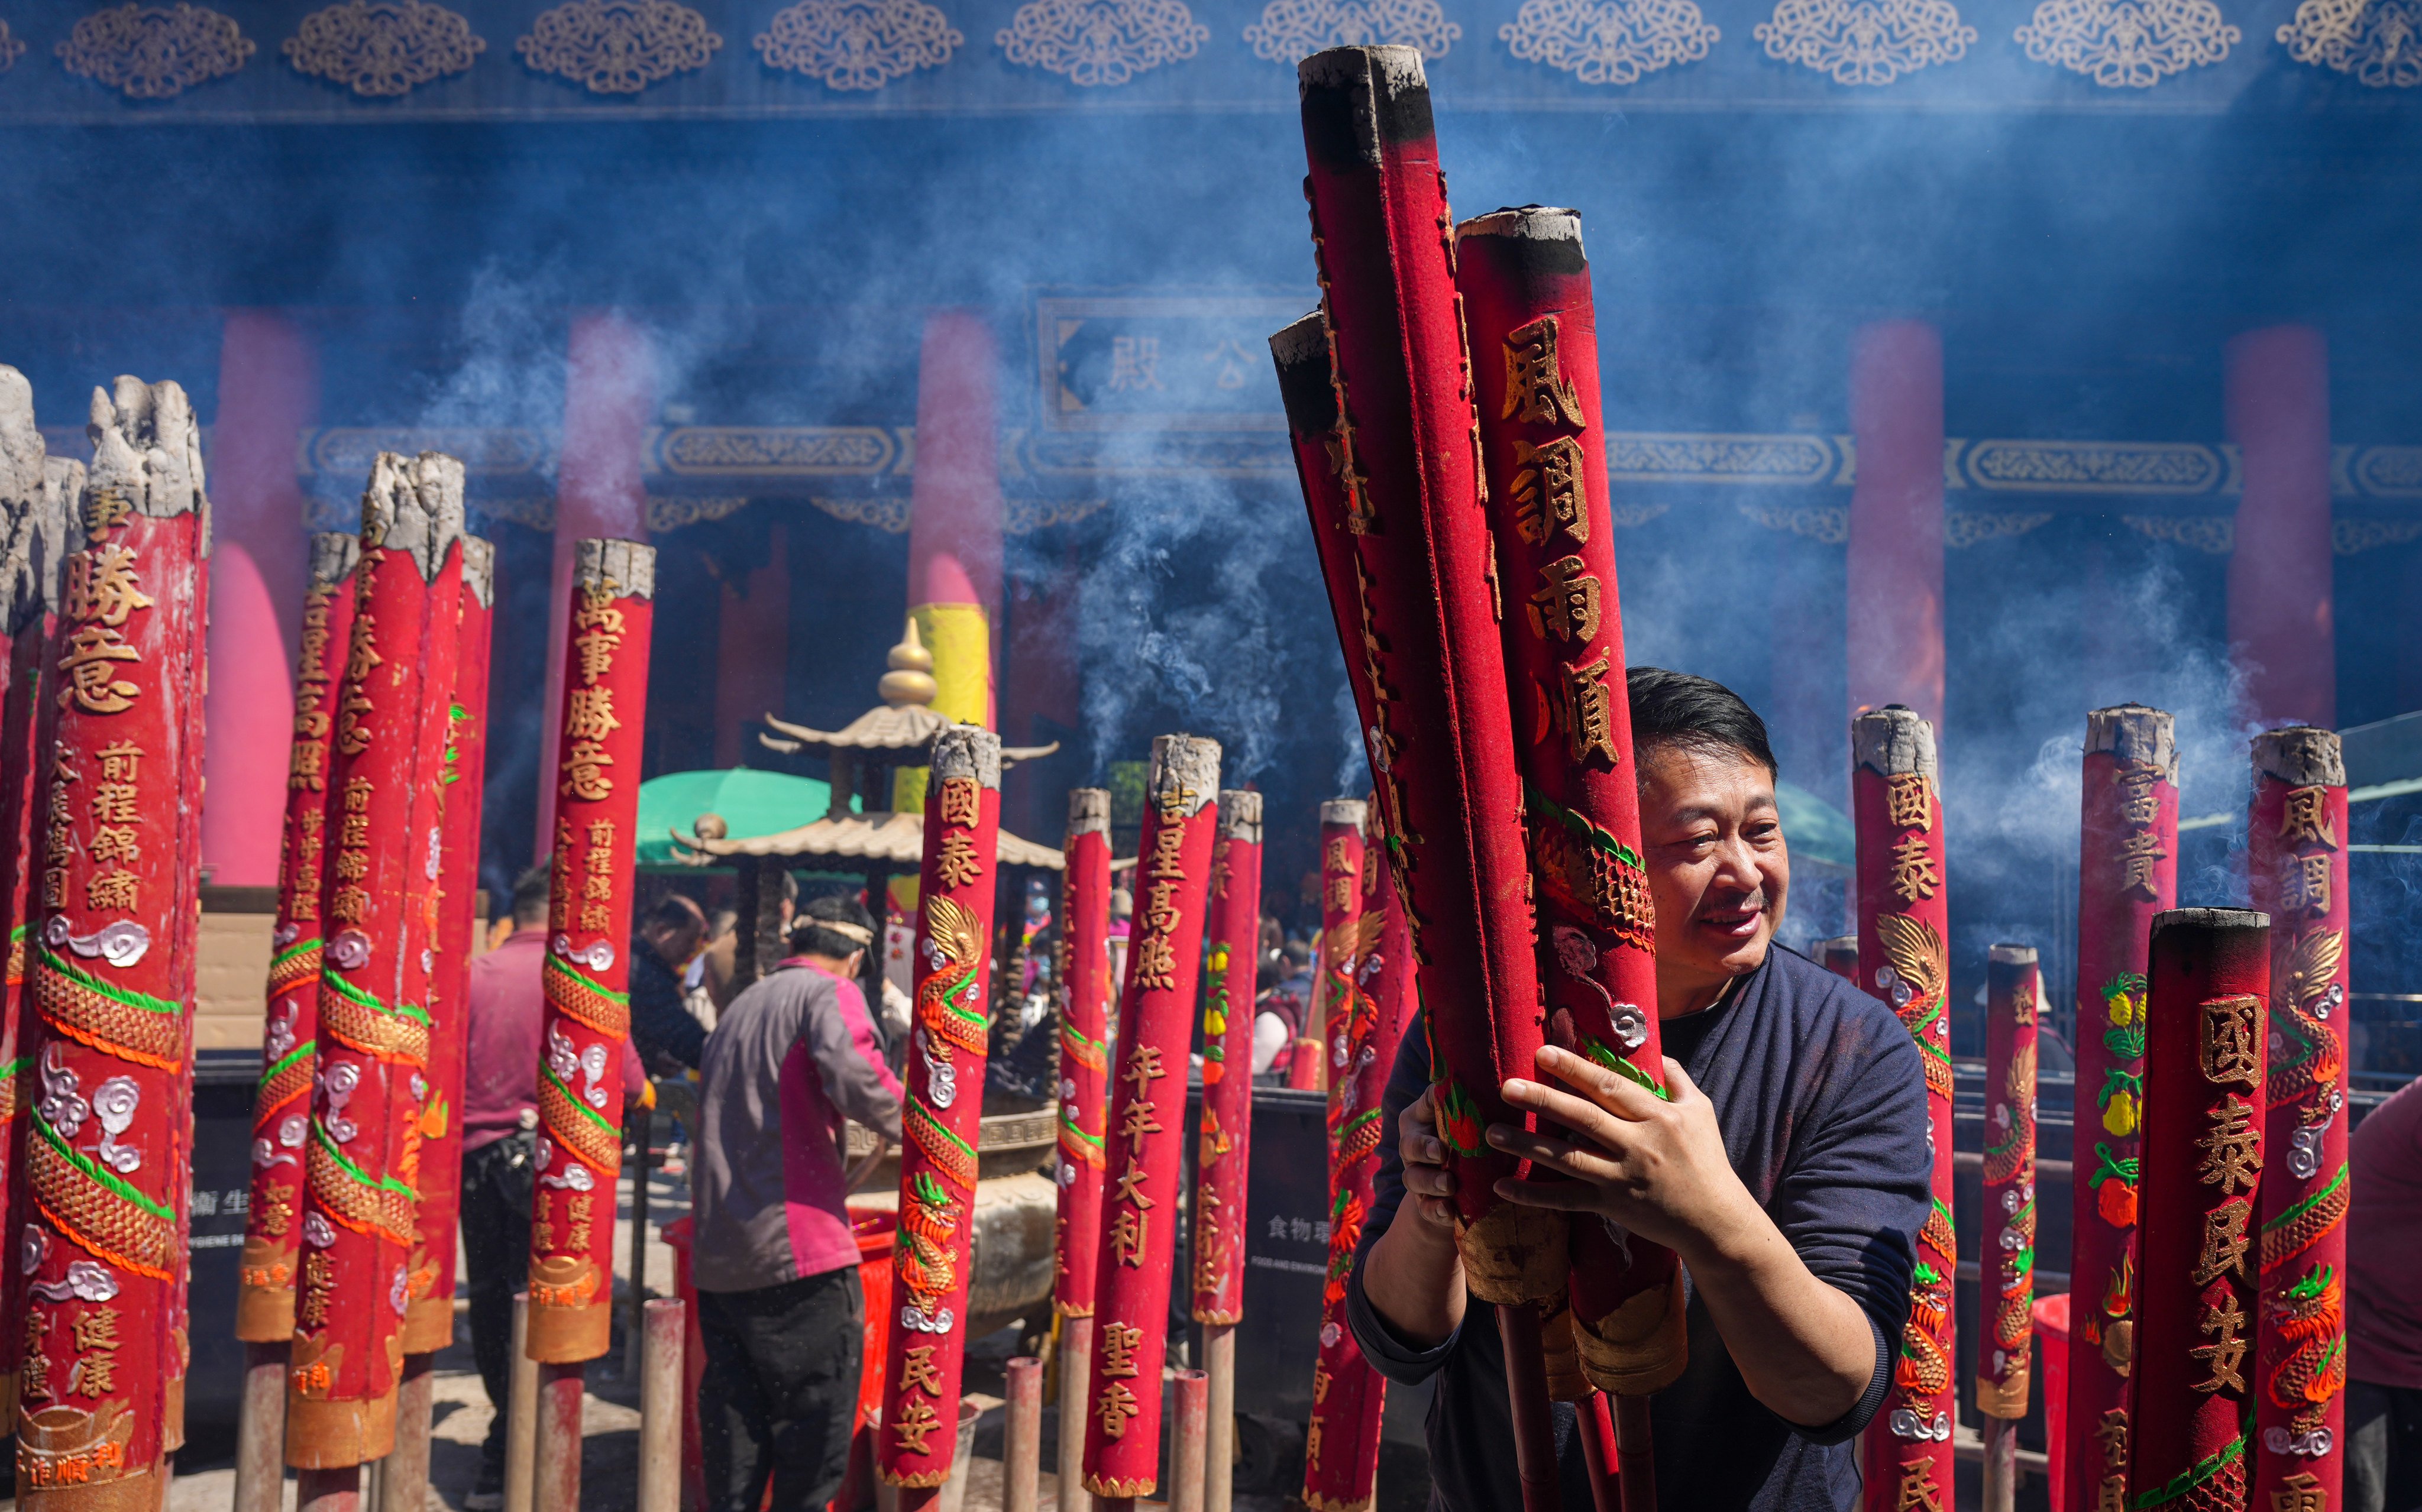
[[1414, 1276], [1429, 1187], [1656, 1167]]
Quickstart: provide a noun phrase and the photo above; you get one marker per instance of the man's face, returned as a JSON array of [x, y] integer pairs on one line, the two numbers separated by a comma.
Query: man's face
[[1717, 867], [676, 943]]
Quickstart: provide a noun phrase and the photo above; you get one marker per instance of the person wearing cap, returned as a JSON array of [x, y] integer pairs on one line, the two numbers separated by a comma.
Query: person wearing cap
[[507, 1008], [781, 1311]]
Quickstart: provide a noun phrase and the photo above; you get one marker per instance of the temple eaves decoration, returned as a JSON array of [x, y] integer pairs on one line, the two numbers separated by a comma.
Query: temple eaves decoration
[[154, 52], [859, 44], [1290, 31], [1097, 44], [617, 47], [384, 49]]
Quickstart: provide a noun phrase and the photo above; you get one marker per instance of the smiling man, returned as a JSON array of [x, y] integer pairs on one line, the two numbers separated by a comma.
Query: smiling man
[[1788, 1171]]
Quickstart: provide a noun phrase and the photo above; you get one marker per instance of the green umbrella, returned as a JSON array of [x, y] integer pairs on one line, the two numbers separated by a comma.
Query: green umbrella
[[752, 803]]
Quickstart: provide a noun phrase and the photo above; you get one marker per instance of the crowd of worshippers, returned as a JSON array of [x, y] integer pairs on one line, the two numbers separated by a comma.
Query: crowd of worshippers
[[759, 1079], [718, 1063]]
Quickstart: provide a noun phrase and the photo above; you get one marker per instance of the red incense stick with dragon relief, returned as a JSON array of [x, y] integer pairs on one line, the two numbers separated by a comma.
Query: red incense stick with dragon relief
[[946, 1076], [585, 978], [2004, 1343], [1904, 957], [38, 495], [1525, 283], [2197, 1256], [1341, 1461], [112, 991], [1223, 1149], [1414, 592], [281, 1109], [1147, 1128], [362, 1151], [2296, 861], [1341, 911], [429, 1317], [2128, 872], [1085, 989]]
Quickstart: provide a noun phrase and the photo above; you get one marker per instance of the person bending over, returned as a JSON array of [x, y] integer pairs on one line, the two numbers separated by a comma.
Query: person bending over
[[1788, 1171]]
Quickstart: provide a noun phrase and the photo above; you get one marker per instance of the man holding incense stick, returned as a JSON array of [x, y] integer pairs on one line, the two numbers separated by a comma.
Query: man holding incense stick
[[1788, 1170]]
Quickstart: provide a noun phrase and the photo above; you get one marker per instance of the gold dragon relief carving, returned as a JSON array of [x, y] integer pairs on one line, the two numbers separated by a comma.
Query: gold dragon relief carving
[[617, 47], [1293, 30], [859, 44], [154, 52], [1610, 41], [1866, 43], [1101, 43], [384, 49], [2128, 44]]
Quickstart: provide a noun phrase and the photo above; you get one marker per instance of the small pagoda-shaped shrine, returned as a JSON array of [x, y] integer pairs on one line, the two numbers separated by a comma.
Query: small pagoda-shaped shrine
[[853, 835]]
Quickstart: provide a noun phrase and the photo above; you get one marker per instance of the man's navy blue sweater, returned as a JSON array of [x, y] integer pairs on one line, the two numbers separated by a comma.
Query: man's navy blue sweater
[[1821, 1099]]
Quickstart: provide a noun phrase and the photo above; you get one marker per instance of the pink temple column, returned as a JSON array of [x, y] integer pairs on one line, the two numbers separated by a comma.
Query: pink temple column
[[269, 389], [2280, 627], [1896, 562], [608, 396], [955, 511], [752, 648]]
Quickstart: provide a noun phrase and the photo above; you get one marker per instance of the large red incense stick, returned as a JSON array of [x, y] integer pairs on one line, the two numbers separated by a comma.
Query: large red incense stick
[[362, 1154], [1147, 1126], [1084, 1069], [1341, 1455], [2197, 1252], [429, 1325], [1525, 284], [603, 722], [1904, 957], [37, 492], [1223, 1151], [281, 1108], [2296, 861], [113, 992], [946, 1076], [2126, 872], [1085, 988], [1418, 606], [1341, 913], [2013, 997]]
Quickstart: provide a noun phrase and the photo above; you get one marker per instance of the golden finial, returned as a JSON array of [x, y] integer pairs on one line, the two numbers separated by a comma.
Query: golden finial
[[911, 677]]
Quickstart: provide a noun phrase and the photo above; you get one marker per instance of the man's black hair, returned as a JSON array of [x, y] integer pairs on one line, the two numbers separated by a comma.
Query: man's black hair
[[530, 895], [676, 912], [808, 936], [1677, 708]]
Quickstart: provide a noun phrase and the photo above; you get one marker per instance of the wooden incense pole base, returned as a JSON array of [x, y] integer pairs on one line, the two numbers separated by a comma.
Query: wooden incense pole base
[[556, 1485], [403, 1484], [1220, 1435], [1598, 1452], [1021, 1453], [261, 1429], [329, 1490], [521, 1417], [1076, 1378], [1636, 1453], [666, 1321], [2001, 1463], [1526, 1389]]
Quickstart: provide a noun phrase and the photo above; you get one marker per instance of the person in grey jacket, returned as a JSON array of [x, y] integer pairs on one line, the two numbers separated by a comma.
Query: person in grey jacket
[[776, 1264]]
